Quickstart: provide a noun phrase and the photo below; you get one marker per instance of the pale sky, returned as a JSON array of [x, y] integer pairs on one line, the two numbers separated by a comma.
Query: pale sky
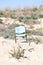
[[19, 3]]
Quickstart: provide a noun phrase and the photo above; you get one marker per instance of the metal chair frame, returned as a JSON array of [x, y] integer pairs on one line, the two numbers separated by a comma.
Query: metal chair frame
[[21, 33]]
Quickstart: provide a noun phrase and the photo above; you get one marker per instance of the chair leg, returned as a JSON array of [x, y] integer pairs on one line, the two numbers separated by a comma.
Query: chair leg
[[15, 39], [29, 43], [26, 38]]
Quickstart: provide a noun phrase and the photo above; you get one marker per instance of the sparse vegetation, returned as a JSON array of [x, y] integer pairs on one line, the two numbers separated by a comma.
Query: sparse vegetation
[[17, 53], [37, 40], [1, 21], [21, 14], [41, 16]]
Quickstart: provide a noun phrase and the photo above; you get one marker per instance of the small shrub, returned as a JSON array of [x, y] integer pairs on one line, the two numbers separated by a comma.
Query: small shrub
[[41, 16], [1, 21], [13, 16], [21, 18], [17, 53], [27, 17], [37, 40]]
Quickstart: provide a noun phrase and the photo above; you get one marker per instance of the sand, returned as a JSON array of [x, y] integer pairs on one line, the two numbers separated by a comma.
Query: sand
[[33, 53]]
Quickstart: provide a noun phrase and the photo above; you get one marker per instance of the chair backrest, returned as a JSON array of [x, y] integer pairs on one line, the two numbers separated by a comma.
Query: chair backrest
[[20, 29]]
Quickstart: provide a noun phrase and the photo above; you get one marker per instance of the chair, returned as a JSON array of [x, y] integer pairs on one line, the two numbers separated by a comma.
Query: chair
[[20, 31]]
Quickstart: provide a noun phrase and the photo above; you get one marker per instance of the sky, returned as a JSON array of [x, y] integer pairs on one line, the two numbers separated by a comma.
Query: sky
[[19, 3]]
